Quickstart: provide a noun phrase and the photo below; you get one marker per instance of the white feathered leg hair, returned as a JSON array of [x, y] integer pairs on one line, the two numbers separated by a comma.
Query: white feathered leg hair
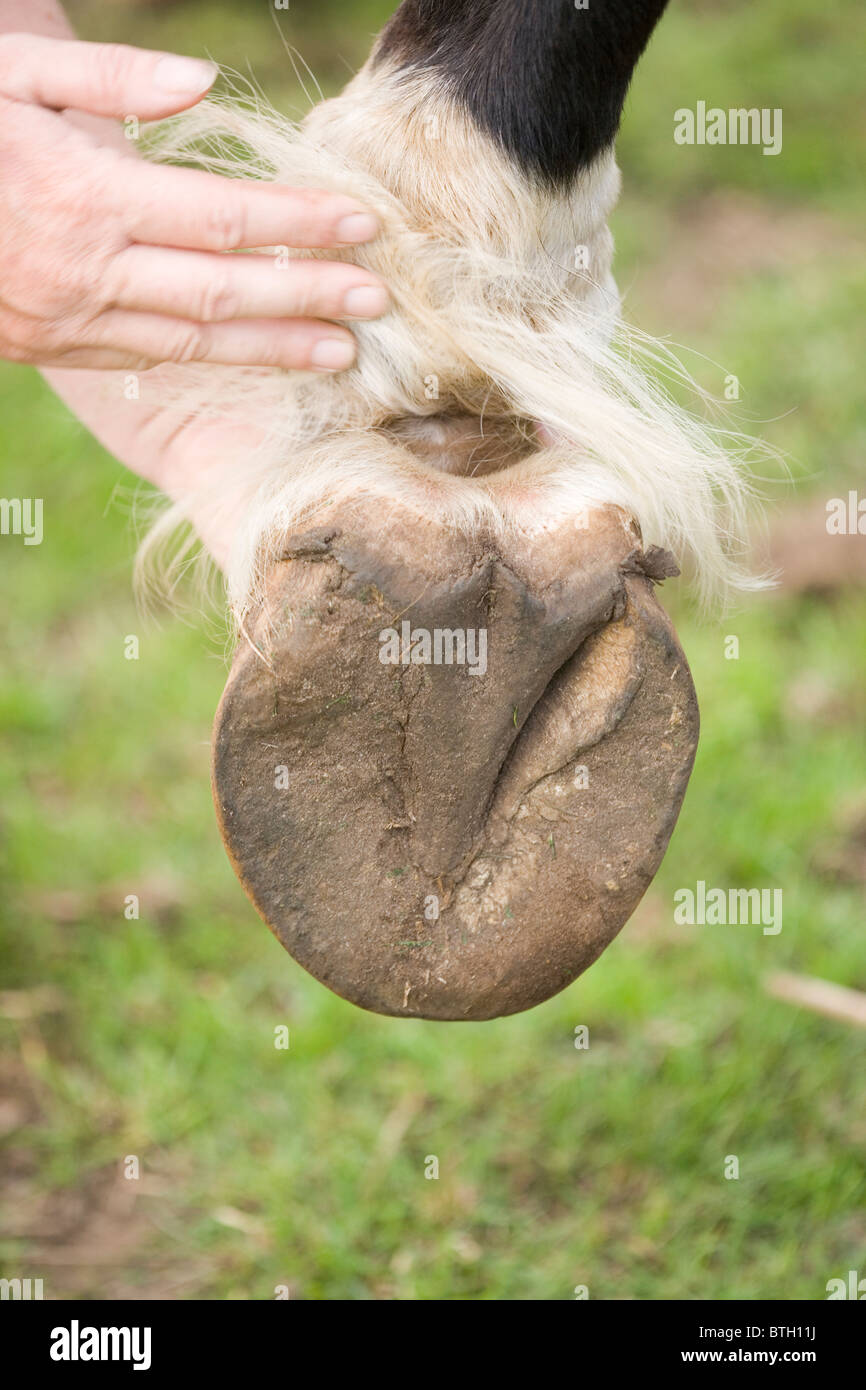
[[499, 317]]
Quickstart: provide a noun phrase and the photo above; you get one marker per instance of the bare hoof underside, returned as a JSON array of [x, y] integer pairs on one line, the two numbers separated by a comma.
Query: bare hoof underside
[[453, 840]]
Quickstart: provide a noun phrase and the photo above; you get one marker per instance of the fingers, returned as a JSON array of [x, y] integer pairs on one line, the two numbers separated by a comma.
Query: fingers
[[104, 79], [210, 288], [189, 209], [145, 240], [149, 339]]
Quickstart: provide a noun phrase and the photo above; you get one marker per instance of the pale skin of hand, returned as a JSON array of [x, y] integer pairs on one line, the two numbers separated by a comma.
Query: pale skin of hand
[[108, 262]]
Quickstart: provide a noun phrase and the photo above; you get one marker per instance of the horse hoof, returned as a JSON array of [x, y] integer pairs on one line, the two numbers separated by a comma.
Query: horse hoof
[[446, 767]]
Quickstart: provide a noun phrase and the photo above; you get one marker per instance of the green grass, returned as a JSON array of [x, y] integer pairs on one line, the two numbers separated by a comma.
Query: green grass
[[557, 1167]]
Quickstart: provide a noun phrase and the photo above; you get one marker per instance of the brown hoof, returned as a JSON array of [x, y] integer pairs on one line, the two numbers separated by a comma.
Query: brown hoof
[[435, 840]]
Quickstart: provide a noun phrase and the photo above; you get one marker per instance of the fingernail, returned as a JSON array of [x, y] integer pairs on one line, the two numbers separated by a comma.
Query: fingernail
[[358, 226], [332, 354], [366, 301], [182, 76]]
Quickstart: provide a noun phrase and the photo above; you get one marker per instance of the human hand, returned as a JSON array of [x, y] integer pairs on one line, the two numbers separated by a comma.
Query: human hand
[[107, 261]]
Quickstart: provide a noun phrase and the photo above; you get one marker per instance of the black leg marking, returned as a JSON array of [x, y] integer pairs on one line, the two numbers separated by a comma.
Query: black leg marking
[[547, 80]]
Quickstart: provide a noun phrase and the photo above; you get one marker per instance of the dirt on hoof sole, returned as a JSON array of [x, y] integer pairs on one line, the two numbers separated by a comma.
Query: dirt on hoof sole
[[453, 840]]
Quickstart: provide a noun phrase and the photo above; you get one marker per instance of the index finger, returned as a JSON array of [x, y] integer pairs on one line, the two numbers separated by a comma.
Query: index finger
[[192, 210]]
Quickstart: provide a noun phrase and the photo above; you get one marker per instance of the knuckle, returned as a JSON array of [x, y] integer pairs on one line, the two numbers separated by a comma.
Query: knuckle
[[24, 339], [187, 344], [113, 68], [218, 299], [70, 221], [15, 354], [57, 292], [18, 333], [309, 295], [12, 349], [225, 226], [75, 288], [274, 353]]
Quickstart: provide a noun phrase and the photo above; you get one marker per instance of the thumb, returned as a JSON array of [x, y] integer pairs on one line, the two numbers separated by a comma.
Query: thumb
[[106, 79]]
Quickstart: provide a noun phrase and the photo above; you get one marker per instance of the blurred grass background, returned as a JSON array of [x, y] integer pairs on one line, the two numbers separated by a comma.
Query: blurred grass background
[[155, 1038]]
